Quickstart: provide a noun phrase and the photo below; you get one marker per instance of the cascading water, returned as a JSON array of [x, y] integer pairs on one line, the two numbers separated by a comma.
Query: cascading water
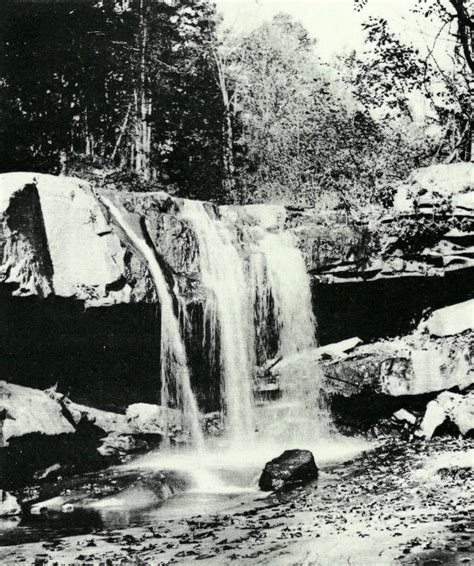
[[174, 364], [284, 307], [228, 312], [258, 287], [258, 297], [288, 284]]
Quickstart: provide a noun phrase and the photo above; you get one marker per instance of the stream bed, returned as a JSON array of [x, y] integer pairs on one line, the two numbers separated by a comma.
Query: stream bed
[[394, 503]]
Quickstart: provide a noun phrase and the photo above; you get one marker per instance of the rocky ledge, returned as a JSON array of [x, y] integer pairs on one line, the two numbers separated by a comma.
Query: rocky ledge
[[43, 434], [415, 385]]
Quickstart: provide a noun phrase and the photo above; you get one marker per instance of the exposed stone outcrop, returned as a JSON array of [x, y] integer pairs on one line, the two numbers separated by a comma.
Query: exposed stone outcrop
[[452, 407], [451, 320], [428, 232], [413, 365], [56, 240], [61, 252], [438, 356], [56, 236], [290, 467], [43, 432], [140, 420], [26, 411]]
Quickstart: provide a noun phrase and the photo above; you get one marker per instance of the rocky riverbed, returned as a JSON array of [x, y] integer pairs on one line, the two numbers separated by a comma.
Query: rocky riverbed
[[397, 503]]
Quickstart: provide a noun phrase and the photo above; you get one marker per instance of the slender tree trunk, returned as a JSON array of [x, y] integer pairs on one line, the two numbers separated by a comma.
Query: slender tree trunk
[[122, 131], [143, 107], [62, 162], [229, 165], [227, 130]]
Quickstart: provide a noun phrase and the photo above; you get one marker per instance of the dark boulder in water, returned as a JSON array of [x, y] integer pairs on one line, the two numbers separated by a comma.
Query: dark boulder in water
[[290, 467]]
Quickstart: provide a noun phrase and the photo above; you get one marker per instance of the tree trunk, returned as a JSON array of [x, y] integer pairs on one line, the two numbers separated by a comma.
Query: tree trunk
[[143, 107], [62, 163], [229, 166], [227, 130]]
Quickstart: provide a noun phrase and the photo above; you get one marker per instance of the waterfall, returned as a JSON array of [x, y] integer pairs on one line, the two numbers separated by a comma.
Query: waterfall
[[258, 288], [228, 312], [289, 285], [174, 364], [283, 304], [258, 297]]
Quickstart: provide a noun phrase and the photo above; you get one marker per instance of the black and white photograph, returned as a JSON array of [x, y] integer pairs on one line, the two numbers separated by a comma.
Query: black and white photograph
[[236, 282]]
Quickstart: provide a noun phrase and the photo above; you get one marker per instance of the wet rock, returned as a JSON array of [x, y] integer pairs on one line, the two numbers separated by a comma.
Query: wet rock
[[290, 467], [212, 424], [117, 444], [146, 418], [9, 506], [174, 241]]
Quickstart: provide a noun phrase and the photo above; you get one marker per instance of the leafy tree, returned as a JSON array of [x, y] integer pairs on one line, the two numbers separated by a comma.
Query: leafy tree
[[128, 85], [397, 70], [298, 137]]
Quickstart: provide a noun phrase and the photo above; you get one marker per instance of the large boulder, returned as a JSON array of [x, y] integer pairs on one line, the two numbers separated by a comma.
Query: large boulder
[[145, 418], [290, 467], [451, 320], [25, 411], [125, 432], [56, 239], [412, 365], [448, 406]]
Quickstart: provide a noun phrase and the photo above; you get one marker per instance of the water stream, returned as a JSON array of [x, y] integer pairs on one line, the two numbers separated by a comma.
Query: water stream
[[174, 370], [228, 313]]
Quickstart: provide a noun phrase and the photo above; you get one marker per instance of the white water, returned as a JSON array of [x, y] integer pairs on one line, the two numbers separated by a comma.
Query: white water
[[289, 285], [257, 284], [174, 363], [228, 312]]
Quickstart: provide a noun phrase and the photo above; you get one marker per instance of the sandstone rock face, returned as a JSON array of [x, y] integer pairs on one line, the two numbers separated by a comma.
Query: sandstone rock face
[[430, 197], [413, 365], [25, 411], [56, 239], [105, 420], [290, 467], [451, 320]]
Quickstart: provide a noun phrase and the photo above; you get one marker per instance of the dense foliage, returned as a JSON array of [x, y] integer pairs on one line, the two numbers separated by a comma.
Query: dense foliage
[[148, 94], [130, 88]]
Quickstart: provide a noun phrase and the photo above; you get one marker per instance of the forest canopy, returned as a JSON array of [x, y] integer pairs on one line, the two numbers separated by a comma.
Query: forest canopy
[[159, 94]]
